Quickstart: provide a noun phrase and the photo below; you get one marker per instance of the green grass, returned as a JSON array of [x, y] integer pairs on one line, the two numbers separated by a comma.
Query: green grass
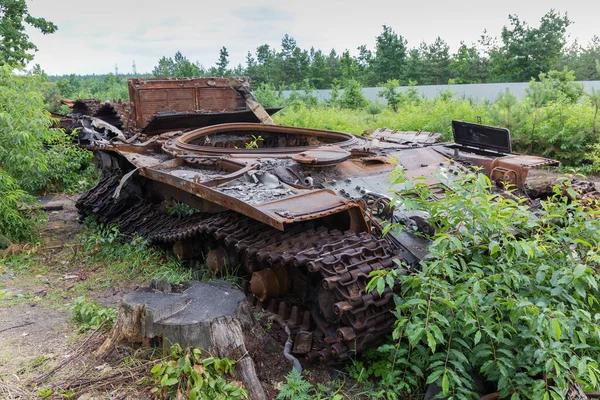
[[427, 116]]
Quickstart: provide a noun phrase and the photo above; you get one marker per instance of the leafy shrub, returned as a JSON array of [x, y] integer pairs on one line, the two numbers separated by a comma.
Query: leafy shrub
[[266, 95], [505, 293], [33, 157], [186, 374], [374, 109], [390, 94], [15, 225], [296, 388], [352, 97], [90, 315], [24, 128]]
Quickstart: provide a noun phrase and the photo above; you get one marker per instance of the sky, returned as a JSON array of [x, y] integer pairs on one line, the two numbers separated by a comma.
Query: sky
[[94, 36]]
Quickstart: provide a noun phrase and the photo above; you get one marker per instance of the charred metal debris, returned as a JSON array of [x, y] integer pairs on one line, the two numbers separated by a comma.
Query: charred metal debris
[[300, 210]]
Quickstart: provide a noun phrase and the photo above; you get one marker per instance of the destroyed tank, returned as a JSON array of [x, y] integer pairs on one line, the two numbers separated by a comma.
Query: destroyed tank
[[297, 211]]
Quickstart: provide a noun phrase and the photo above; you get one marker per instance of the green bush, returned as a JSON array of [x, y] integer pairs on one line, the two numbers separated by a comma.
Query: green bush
[[266, 95], [186, 374], [352, 97], [90, 315], [15, 225], [505, 293], [33, 158]]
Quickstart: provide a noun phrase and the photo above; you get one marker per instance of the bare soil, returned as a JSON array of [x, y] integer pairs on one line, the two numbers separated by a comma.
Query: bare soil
[[36, 333]]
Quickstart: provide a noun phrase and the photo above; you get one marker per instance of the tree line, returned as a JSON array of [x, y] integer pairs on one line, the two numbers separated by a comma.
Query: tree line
[[521, 53]]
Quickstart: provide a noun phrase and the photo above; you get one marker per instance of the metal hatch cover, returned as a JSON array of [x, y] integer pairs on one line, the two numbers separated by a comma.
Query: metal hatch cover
[[322, 156], [482, 136]]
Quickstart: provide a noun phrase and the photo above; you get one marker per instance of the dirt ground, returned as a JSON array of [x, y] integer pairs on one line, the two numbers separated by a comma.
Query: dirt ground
[[36, 334], [41, 353]]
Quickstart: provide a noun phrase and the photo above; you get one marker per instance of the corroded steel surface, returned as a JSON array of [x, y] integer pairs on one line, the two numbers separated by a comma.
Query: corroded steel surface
[[156, 95]]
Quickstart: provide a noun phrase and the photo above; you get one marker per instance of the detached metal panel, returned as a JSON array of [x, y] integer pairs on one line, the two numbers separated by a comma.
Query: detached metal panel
[[156, 95]]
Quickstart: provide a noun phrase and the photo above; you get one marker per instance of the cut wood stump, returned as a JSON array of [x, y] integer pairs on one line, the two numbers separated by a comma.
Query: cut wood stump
[[211, 316]]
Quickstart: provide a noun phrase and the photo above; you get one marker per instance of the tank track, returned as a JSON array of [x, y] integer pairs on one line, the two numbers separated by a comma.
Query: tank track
[[329, 266]]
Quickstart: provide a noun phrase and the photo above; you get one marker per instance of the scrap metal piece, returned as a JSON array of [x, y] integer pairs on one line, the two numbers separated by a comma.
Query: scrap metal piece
[[241, 86], [302, 342], [405, 138]]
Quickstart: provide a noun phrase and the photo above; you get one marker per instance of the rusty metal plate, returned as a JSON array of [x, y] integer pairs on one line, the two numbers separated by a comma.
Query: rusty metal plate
[[152, 96], [322, 156], [406, 138], [309, 205]]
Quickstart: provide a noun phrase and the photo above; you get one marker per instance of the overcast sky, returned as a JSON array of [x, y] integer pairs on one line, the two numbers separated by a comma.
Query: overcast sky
[[93, 36]]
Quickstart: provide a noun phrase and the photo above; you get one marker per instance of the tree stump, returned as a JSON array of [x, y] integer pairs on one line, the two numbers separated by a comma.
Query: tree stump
[[210, 316]]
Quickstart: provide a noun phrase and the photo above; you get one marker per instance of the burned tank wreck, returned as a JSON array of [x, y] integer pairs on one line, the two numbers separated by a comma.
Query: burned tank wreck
[[298, 210]]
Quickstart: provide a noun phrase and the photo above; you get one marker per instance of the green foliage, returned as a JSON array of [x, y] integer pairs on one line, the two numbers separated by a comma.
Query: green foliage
[[182, 210], [506, 293], [33, 157], [178, 67], [594, 158], [436, 63], [433, 115], [296, 388], [23, 128], [15, 46], [266, 95], [253, 144], [109, 87], [90, 315], [186, 374], [374, 109], [304, 97], [223, 62], [584, 61], [15, 225], [131, 258], [390, 55], [526, 51], [466, 65], [38, 157], [352, 97], [389, 93], [555, 86]]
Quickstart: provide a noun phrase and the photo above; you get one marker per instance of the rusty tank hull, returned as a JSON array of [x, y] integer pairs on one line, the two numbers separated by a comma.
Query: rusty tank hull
[[297, 212]]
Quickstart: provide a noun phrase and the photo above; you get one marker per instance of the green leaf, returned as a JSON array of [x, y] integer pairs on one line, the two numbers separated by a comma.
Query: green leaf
[[380, 285], [579, 271], [415, 334], [546, 395], [431, 341], [493, 247], [477, 337], [556, 329], [434, 376], [171, 382], [156, 368], [445, 384]]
